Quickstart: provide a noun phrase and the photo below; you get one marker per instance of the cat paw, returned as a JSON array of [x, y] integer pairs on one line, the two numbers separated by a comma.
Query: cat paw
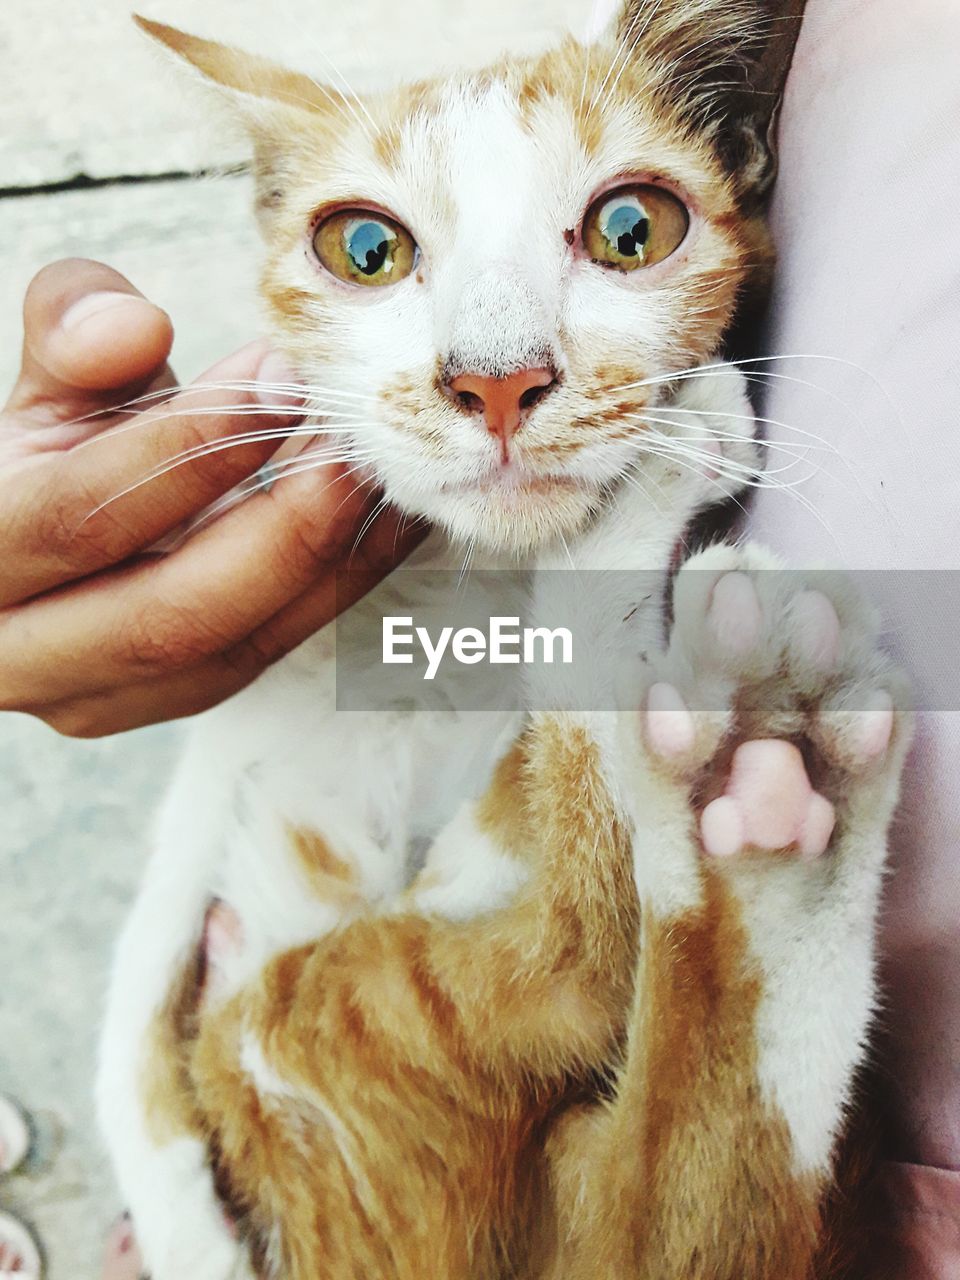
[[774, 708], [199, 1255], [768, 803]]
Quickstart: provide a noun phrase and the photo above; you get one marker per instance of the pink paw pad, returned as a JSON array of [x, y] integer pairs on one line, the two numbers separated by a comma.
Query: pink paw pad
[[874, 726], [768, 803], [735, 616], [670, 727], [817, 630]]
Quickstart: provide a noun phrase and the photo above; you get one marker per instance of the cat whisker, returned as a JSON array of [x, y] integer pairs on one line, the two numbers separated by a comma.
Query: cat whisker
[[718, 366], [253, 411], [378, 507], [729, 465], [139, 404], [756, 476], [699, 471], [664, 447], [246, 437], [637, 37], [349, 88], [763, 377], [342, 101], [240, 494], [400, 531], [770, 446], [191, 455], [467, 559], [631, 37], [704, 462], [326, 453], [363, 484], [633, 478], [822, 443], [725, 493], [764, 477], [762, 442], [308, 389], [566, 549], [327, 426]]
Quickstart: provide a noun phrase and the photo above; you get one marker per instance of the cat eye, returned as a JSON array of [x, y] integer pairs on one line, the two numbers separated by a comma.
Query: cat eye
[[635, 227], [365, 248]]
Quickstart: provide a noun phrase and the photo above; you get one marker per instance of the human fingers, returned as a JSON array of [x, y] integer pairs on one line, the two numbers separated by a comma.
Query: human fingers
[[87, 333], [70, 514], [157, 616], [187, 692]]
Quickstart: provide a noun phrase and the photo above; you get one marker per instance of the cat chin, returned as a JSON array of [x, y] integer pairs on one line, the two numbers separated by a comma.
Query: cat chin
[[513, 521]]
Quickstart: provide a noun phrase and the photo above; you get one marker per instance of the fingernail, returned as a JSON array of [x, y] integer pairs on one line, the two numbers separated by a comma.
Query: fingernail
[[276, 376], [92, 304]]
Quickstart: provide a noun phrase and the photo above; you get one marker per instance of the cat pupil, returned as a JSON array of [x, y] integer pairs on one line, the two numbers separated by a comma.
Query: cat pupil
[[375, 259], [368, 248], [629, 243], [629, 229]]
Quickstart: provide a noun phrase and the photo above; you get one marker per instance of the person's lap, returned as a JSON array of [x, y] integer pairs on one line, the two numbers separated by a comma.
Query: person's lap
[[864, 218]]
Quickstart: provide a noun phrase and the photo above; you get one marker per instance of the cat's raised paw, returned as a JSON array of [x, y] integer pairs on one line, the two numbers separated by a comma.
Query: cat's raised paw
[[774, 708], [768, 803]]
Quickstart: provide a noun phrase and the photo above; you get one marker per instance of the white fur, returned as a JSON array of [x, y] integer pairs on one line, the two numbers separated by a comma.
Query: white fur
[[467, 875]]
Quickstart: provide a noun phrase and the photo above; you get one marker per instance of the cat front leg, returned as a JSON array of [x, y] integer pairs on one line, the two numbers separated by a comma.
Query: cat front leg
[[761, 774]]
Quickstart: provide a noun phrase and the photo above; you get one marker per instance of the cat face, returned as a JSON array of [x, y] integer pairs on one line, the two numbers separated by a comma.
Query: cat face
[[474, 274]]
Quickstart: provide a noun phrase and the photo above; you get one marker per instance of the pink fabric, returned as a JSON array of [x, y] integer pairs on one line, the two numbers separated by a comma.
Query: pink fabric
[[925, 1222], [867, 223]]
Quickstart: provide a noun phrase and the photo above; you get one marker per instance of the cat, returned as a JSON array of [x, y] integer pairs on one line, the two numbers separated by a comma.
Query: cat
[[610, 1027]]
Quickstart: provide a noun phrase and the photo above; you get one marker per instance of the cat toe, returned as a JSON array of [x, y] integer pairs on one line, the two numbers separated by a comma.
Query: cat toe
[[670, 727], [735, 617]]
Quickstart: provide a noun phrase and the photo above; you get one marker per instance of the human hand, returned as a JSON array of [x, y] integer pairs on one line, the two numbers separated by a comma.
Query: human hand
[[97, 637]]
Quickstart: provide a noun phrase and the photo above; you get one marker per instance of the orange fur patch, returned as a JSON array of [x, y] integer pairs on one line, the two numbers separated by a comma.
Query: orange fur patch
[[421, 1060], [688, 1172], [329, 877]]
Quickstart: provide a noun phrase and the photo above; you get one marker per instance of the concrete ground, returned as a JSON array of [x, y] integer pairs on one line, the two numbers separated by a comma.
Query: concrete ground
[[80, 94]]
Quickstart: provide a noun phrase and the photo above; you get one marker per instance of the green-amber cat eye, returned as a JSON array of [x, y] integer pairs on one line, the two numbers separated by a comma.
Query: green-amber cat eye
[[634, 227], [365, 248]]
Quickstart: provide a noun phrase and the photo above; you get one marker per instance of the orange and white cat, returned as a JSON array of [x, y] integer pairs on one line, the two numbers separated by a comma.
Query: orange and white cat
[[609, 1028]]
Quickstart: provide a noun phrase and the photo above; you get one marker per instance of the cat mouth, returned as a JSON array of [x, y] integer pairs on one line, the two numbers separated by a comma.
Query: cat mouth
[[506, 483]]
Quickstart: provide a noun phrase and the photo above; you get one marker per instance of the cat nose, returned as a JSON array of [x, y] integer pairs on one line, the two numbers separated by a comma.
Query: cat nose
[[504, 402]]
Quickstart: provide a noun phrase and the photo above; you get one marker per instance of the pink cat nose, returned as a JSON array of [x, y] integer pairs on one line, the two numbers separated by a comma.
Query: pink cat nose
[[504, 402]]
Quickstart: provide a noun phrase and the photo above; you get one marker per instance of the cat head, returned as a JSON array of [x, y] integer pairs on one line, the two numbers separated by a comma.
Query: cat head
[[488, 280]]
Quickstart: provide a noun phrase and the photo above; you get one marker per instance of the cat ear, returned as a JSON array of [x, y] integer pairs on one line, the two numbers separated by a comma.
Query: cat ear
[[270, 102], [724, 63], [248, 78]]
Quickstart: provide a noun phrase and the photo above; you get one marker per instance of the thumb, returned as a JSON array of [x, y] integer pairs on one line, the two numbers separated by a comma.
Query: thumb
[[87, 333]]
